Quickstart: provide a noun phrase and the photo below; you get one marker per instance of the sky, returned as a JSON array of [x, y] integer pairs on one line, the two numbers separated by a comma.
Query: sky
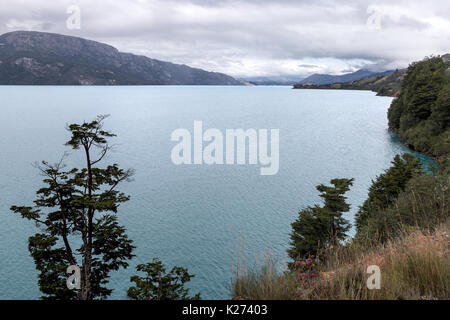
[[250, 38]]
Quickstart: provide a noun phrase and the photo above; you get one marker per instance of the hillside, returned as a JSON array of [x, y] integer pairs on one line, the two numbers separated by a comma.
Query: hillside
[[37, 58], [324, 79], [383, 85], [283, 80], [415, 266], [421, 113]]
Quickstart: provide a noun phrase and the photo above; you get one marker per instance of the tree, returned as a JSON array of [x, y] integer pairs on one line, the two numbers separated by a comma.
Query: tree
[[428, 80], [318, 227], [420, 115], [77, 209], [441, 110], [387, 186], [159, 285]]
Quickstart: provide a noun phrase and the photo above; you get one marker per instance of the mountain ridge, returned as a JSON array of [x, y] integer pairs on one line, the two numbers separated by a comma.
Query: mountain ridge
[[384, 85], [40, 58], [319, 79]]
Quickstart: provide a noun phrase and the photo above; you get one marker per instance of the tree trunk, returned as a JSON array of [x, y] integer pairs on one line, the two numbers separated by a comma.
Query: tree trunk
[[86, 290]]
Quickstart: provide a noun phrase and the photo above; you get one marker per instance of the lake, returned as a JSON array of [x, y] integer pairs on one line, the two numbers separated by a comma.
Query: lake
[[204, 218]]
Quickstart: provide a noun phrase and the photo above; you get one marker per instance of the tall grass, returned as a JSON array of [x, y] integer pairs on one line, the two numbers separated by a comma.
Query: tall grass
[[415, 265], [264, 282]]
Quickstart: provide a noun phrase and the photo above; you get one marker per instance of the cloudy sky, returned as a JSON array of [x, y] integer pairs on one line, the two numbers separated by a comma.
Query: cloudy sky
[[252, 37]]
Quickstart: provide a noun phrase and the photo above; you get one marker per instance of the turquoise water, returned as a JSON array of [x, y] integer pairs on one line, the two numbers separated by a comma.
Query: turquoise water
[[201, 217]]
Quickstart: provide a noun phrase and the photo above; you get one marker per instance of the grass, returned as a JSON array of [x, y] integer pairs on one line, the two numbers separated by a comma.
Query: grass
[[264, 283], [415, 265]]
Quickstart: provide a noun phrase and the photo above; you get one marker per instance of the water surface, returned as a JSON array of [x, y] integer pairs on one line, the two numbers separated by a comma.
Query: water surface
[[201, 217]]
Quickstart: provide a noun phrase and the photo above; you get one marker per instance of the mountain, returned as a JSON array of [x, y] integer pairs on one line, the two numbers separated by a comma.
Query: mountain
[[315, 79], [383, 85], [37, 58], [329, 79], [285, 80]]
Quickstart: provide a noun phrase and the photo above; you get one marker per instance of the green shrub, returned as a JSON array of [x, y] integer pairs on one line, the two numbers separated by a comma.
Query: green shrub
[[424, 203], [385, 189]]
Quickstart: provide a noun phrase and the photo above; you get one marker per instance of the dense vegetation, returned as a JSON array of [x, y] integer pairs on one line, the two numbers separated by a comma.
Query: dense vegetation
[[382, 193], [421, 113]]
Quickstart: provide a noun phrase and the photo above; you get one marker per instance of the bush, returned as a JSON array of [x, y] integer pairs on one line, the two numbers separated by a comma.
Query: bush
[[424, 203], [385, 189], [156, 284]]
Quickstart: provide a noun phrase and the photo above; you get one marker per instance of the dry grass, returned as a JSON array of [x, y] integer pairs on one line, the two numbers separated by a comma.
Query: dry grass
[[415, 265], [264, 283]]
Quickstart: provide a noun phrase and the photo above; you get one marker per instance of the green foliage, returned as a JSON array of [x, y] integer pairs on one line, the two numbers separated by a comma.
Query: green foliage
[[423, 204], [388, 185], [159, 285], [318, 227], [78, 206], [421, 113], [53, 263], [441, 109]]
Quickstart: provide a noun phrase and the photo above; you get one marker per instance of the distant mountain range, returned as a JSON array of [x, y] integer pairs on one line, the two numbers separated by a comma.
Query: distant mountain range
[[383, 85], [37, 58], [284, 80], [387, 85], [315, 79], [329, 79]]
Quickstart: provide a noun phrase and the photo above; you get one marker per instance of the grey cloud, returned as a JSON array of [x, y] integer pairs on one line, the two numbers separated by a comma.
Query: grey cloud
[[251, 37]]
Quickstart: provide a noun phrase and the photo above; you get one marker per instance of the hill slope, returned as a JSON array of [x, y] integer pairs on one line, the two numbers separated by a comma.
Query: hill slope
[[38, 58], [319, 79], [421, 113], [383, 85]]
